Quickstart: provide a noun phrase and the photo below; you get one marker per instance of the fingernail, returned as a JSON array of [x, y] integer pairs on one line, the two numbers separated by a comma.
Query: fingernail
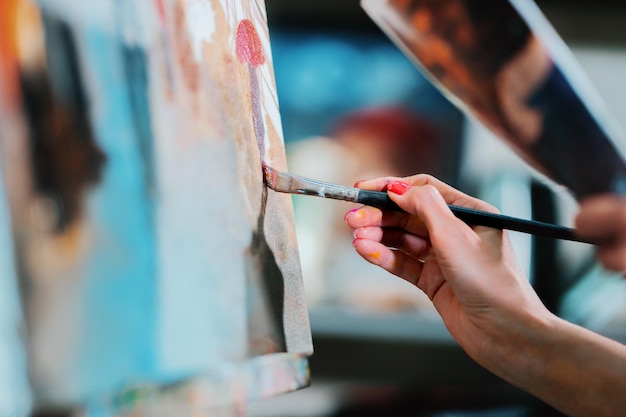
[[354, 241], [357, 183], [398, 187], [345, 218]]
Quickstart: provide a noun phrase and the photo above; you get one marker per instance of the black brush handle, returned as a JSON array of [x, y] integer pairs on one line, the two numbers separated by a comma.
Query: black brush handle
[[482, 218]]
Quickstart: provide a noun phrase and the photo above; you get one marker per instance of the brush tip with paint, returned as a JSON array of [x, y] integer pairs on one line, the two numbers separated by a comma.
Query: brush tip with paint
[[269, 175], [283, 182]]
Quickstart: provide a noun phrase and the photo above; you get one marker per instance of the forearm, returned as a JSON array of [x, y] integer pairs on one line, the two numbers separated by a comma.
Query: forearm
[[573, 369]]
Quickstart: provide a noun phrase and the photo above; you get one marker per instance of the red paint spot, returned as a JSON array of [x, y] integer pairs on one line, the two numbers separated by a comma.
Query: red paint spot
[[248, 44], [161, 10]]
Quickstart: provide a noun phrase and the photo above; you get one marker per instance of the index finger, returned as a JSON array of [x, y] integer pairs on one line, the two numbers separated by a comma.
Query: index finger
[[367, 216], [450, 194]]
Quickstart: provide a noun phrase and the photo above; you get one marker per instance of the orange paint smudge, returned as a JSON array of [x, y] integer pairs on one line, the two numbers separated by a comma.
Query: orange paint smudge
[[21, 41], [8, 30], [374, 255]]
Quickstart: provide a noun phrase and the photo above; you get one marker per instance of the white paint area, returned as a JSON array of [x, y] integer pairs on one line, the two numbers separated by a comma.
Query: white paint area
[[201, 24]]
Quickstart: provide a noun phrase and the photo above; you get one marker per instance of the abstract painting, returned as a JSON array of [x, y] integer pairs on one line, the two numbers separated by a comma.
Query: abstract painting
[[151, 260]]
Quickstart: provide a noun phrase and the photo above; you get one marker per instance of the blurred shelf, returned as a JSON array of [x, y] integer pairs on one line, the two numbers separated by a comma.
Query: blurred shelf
[[403, 347], [347, 322]]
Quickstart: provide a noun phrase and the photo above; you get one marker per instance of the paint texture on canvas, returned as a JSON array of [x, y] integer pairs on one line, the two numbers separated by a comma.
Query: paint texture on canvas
[[148, 248]]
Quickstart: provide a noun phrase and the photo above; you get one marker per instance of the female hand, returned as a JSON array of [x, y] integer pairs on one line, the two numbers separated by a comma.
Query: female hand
[[471, 274], [473, 279]]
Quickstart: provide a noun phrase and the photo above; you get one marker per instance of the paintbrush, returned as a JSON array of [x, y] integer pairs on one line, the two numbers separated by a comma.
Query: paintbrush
[[284, 182]]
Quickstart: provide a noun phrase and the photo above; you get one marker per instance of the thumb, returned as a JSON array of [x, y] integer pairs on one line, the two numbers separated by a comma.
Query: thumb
[[427, 203], [423, 201]]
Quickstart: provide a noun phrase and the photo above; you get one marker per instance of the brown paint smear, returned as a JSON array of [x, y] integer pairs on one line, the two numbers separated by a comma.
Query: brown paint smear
[[186, 59], [65, 157]]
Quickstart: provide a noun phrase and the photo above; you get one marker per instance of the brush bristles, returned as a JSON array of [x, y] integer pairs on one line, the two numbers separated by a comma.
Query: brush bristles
[[269, 175], [284, 182], [277, 180]]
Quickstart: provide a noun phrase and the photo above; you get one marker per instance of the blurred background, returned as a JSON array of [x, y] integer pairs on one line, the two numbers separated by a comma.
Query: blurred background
[[354, 107]]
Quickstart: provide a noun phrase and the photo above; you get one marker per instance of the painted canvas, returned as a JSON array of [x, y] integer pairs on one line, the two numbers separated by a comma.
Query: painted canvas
[[155, 269]]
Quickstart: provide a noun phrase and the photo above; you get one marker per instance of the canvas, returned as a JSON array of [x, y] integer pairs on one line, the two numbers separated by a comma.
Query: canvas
[[152, 261]]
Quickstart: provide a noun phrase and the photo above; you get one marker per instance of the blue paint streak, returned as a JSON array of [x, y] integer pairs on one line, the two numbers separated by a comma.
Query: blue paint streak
[[121, 289]]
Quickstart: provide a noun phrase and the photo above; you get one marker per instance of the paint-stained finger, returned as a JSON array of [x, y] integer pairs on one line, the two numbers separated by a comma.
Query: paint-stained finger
[[373, 217], [395, 238], [394, 261], [370, 216]]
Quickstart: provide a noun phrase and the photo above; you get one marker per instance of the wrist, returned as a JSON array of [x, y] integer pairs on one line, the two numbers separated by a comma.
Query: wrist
[[533, 351], [569, 367], [520, 347]]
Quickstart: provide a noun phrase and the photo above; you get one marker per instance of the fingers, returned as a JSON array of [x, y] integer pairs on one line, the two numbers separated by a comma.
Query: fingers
[[368, 216], [444, 229], [395, 238], [376, 184], [397, 262], [427, 203], [458, 257], [450, 194], [372, 217], [425, 209], [404, 255]]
